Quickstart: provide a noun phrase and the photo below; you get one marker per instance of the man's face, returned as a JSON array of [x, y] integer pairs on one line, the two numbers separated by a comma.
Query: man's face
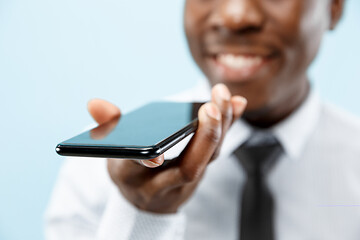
[[260, 49]]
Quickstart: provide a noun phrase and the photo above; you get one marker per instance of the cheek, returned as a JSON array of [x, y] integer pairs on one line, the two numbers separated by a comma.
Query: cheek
[[312, 28], [195, 16], [300, 25]]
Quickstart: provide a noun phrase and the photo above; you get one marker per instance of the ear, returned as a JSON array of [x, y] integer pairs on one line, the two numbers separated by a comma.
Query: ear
[[336, 8]]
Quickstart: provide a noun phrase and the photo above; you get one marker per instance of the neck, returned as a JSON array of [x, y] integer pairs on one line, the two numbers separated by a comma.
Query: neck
[[270, 116]]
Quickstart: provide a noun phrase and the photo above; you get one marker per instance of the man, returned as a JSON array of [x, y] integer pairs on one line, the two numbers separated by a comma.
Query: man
[[255, 54]]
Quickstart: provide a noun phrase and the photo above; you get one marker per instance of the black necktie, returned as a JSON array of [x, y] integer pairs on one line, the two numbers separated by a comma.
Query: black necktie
[[257, 155]]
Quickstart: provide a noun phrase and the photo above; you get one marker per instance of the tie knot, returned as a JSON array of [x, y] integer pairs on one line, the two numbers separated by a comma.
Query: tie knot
[[259, 153], [260, 139]]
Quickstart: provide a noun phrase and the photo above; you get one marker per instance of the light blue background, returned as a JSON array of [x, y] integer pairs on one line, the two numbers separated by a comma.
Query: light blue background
[[56, 55]]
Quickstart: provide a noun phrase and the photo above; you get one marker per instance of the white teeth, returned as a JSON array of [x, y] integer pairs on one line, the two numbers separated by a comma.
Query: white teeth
[[238, 61]]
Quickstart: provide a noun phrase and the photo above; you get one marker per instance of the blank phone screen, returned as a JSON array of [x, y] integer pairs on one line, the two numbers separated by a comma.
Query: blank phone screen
[[146, 126]]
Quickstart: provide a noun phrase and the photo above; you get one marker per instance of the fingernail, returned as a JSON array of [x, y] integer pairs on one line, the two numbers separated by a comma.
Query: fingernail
[[212, 112], [223, 92], [149, 163], [242, 100], [240, 104]]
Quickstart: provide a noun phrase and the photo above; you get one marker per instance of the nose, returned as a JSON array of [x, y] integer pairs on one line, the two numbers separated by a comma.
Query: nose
[[238, 15]]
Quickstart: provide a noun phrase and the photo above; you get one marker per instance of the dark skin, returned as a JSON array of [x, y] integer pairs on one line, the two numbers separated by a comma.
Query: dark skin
[[286, 33], [257, 50]]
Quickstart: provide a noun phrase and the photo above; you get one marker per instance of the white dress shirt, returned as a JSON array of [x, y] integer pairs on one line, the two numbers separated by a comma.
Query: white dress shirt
[[315, 185]]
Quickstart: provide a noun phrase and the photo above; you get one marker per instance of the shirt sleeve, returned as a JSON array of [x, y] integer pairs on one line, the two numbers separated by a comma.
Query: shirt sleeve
[[121, 220], [76, 203], [86, 205]]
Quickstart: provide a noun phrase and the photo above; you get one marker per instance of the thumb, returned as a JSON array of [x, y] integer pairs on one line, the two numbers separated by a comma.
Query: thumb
[[102, 111]]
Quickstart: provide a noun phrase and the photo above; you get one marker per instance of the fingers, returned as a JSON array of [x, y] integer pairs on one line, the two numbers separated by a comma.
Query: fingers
[[131, 171], [221, 96], [230, 107], [238, 105], [215, 118], [201, 147], [102, 111], [129, 167], [153, 163]]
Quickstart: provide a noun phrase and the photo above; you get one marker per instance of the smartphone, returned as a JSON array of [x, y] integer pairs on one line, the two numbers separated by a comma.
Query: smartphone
[[144, 133]]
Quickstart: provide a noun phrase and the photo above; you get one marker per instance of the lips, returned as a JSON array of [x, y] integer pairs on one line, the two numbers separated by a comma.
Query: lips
[[237, 67], [239, 62]]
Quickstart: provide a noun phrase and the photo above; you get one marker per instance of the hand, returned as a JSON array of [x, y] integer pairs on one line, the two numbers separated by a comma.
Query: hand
[[152, 187]]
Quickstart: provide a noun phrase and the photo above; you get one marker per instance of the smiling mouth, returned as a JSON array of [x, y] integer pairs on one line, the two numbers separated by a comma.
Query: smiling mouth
[[239, 67], [239, 62]]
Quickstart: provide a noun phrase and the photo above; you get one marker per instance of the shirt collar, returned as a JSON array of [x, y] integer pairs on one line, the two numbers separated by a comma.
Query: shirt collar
[[295, 130], [292, 133]]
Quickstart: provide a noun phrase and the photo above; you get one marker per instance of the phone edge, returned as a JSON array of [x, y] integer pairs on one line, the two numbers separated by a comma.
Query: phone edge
[[146, 152]]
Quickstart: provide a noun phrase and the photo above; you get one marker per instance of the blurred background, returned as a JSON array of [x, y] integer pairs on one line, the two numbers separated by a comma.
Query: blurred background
[[56, 55]]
